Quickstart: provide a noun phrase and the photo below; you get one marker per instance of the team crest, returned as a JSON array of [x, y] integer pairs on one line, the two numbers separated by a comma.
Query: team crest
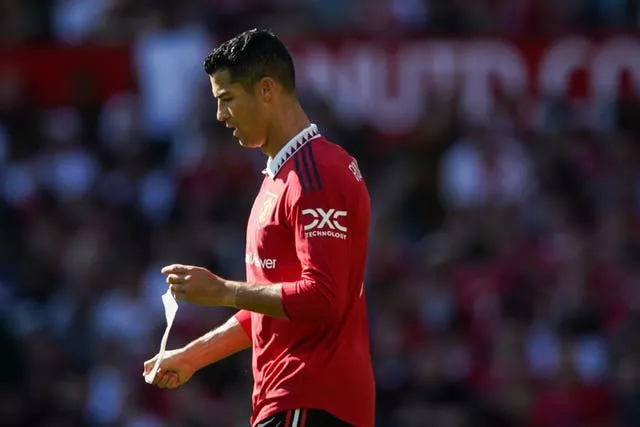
[[268, 203]]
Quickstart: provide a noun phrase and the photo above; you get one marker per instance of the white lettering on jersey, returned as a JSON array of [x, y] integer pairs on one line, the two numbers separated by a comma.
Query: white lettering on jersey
[[322, 219], [325, 223], [355, 170], [264, 264], [335, 235]]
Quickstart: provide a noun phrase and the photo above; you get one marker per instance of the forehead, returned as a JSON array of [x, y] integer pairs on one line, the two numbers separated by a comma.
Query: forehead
[[221, 82]]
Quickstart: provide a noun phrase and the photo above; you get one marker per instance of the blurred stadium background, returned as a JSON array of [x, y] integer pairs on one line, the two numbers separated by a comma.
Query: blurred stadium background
[[500, 140]]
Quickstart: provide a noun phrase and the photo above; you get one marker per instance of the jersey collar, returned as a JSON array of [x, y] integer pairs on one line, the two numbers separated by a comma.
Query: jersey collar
[[297, 142]]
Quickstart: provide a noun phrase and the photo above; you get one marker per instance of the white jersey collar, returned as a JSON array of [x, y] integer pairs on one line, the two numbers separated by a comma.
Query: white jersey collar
[[297, 142]]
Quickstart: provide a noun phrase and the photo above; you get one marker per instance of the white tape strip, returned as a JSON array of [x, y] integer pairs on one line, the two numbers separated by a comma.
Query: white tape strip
[[170, 310]]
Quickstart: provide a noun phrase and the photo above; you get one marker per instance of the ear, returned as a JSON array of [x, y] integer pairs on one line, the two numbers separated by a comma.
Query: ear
[[266, 89]]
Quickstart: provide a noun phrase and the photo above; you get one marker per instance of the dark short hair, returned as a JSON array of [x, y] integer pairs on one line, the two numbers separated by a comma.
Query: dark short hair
[[252, 55]]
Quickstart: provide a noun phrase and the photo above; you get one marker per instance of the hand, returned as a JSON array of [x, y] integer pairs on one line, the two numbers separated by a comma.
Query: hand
[[197, 285], [175, 369]]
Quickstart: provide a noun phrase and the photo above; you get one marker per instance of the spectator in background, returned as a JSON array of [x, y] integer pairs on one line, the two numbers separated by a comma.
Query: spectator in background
[[76, 21], [487, 168], [170, 50]]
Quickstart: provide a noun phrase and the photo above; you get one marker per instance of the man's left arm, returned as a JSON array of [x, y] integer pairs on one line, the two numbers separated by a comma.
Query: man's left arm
[[320, 225]]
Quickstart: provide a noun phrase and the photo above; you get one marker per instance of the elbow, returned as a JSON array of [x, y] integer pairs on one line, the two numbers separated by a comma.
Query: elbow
[[311, 302]]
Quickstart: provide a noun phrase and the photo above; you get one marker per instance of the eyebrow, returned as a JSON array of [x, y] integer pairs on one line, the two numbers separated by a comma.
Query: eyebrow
[[221, 94]]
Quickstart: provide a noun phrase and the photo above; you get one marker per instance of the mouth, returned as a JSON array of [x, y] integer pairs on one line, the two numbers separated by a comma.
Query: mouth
[[235, 130]]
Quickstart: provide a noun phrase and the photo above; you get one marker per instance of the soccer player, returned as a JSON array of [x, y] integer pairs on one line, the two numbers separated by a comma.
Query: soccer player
[[302, 309]]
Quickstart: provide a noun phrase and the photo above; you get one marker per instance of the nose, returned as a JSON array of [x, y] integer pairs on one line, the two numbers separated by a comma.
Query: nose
[[222, 114]]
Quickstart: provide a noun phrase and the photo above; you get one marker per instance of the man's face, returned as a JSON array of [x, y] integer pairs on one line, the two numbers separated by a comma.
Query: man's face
[[240, 109]]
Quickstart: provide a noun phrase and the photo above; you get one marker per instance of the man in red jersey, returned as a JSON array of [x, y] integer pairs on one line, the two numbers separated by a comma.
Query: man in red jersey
[[302, 309]]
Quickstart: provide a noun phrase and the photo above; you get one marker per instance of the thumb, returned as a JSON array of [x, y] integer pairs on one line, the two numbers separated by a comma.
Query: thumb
[[148, 365], [175, 269]]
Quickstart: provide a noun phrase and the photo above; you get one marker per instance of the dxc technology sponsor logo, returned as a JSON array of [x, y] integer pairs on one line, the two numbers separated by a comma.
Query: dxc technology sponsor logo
[[325, 223]]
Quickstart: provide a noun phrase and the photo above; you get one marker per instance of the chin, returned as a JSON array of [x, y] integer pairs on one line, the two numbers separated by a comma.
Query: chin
[[250, 144]]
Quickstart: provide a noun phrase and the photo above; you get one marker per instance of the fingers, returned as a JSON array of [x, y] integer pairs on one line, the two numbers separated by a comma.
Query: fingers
[[177, 279], [179, 292], [176, 269], [166, 379], [171, 380], [148, 365], [161, 381], [177, 284]]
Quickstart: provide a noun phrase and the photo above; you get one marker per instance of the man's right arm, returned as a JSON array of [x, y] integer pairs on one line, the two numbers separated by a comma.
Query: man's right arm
[[227, 339], [179, 365]]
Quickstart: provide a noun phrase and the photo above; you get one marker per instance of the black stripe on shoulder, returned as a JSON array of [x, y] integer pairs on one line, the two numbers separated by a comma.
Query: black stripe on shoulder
[[314, 166], [304, 172], [300, 170]]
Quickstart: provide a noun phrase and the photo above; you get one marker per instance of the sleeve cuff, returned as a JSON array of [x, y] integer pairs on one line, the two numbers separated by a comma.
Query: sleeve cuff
[[289, 292], [302, 301]]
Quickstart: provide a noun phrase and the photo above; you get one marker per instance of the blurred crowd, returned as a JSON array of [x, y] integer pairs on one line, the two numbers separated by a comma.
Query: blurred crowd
[[503, 281], [119, 21]]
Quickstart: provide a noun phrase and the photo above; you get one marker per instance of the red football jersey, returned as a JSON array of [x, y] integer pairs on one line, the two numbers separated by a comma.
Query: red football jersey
[[309, 230]]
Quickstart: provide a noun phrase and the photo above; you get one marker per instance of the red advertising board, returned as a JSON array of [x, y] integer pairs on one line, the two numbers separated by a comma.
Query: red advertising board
[[386, 84], [46, 72]]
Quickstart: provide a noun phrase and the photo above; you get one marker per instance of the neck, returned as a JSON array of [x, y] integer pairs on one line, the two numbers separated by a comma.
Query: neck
[[290, 122]]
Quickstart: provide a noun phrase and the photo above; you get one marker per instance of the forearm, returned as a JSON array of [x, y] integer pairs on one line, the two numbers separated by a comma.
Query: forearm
[[304, 300], [264, 299], [218, 344]]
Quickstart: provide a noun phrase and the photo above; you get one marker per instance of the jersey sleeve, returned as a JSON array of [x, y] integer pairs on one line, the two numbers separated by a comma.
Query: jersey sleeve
[[244, 318], [320, 223]]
